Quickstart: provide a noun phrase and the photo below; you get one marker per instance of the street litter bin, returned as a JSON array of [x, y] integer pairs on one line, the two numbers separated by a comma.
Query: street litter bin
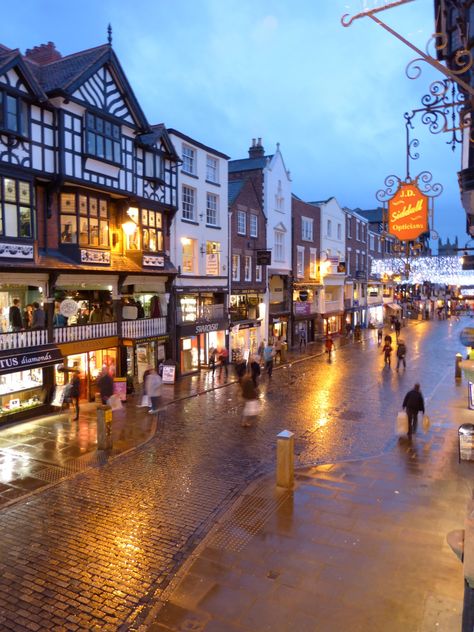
[[104, 427], [466, 442]]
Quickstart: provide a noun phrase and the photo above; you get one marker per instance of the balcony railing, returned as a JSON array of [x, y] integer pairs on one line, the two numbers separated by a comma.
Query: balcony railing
[[23, 339], [332, 306], [144, 327], [84, 332]]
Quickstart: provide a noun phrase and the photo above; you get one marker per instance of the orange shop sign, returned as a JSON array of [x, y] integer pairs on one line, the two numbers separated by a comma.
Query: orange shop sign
[[408, 213]]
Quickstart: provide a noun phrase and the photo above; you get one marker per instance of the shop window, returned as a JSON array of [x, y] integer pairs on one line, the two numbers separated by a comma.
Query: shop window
[[16, 218], [188, 308], [188, 255], [103, 138], [235, 267], [21, 390], [152, 230], [84, 220], [212, 257]]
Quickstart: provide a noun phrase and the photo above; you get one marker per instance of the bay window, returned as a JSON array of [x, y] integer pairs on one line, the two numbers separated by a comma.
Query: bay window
[[84, 219], [103, 138]]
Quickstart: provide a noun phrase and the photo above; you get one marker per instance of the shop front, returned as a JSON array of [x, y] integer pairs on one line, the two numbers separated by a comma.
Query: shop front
[[26, 381], [142, 354], [245, 338], [195, 340], [332, 323], [375, 314], [278, 327]]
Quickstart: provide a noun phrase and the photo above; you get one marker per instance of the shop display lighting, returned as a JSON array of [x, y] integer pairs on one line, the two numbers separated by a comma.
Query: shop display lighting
[[443, 270]]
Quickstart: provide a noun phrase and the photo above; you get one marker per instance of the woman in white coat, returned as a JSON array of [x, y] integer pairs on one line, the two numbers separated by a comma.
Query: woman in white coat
[[153, 389]]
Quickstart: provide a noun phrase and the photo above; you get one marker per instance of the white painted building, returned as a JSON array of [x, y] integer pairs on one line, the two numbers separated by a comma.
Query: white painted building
[[199, 248]]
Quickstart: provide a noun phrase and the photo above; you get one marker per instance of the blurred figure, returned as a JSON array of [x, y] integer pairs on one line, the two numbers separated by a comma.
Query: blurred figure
[[250, 396], [39, 317], [255, 368], [397, 326], [212, 359], [268, 355], [401, 353], [379, 336], [224, 362], [74, 392], [278, 347], [28, 316], [387, 352], [302, 340], [413, 403], [14, 315], [153, 389], [105, 384], [329, 346], [240, 366]]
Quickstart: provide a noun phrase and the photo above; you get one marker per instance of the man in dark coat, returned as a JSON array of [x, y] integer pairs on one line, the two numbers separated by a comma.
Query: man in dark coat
[[74, 392], [413, 404], [14, 315], [105, 384]]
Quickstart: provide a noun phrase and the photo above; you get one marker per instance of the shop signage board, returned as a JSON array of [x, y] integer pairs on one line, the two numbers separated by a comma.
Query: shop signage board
[[58, 396], [68, 307], [30, 359], [302, 308], [264, 257], [408, 213], [120, 388], [169, 374]]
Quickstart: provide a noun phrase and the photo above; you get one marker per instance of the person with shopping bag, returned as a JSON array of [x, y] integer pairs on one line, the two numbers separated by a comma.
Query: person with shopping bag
[[413, 403], [250, 396], [153, 389]]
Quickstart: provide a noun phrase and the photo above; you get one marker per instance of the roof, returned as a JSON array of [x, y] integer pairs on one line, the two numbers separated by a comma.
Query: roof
[[197, 143], [60, 74], [249, 164], [373, 215], [318, 202], [235, 187]]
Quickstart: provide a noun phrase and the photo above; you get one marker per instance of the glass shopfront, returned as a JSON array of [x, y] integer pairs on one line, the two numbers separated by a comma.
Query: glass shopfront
[[194, 350], [20, 391], [89, 365]]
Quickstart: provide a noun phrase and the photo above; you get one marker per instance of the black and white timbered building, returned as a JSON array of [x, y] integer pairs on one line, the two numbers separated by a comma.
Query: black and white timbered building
[[87, 194]]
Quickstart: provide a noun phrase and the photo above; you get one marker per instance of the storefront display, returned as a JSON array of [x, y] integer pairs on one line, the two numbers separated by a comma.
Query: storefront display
[[89, 365], [21, 390]]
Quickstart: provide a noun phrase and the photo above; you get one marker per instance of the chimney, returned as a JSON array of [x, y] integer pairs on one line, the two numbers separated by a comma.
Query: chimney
[[43, 54], [256, 151]]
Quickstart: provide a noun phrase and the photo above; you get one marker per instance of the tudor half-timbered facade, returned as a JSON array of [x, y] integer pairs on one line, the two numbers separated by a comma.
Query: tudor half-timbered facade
[[88, 189]]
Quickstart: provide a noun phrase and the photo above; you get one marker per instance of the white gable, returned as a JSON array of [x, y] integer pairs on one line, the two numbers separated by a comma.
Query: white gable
[[13, 79], [102, 92]]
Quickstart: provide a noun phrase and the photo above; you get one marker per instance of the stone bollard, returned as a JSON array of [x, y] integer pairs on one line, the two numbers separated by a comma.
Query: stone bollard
[[104, 427], [285, 459], [457, 367]]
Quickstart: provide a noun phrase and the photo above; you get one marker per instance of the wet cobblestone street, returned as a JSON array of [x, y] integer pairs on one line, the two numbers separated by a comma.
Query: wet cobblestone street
[[95, 551]]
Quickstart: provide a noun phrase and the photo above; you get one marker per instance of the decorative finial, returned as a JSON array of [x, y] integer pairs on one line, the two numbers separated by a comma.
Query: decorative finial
[[109, 34]]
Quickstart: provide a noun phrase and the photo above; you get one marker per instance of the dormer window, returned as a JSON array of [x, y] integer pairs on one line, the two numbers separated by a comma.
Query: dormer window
[[103, 139], [13, 115]]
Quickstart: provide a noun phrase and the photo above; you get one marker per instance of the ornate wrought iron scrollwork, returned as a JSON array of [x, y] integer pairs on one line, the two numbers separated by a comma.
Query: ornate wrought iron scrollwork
[[392, 184], [423, 182]]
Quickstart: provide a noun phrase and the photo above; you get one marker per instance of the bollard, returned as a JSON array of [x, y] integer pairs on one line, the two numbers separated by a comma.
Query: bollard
[[104, 427], [457, 367], [285, 459]]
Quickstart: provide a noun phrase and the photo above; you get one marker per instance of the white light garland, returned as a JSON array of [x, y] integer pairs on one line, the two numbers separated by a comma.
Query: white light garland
[[442, 270]]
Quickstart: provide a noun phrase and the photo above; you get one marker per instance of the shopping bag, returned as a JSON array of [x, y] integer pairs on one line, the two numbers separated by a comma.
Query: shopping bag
[[251, 408], [426, 423], [401, 426], [115, 402]]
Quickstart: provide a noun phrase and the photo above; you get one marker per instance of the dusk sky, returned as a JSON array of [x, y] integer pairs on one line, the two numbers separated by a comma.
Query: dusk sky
[[227, 71]]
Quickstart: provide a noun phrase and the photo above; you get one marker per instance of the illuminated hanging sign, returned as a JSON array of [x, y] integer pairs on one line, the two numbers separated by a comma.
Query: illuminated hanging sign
[[408, 213]]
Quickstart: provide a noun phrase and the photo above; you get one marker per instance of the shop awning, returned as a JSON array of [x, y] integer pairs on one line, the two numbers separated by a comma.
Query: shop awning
[[393, 306]]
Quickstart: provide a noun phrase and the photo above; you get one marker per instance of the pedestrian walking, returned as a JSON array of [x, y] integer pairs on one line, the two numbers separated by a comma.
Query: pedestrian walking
[[329, 346], [153, 388], [348, 330], [387, 352], [240, 365], [397, 326], [379, 336], [255, 368], [250, 396], [212, 360], [278, 347], [145, 400], [224, 362], [268, 355], [302, 340], [401, 353], [413, 403], [74, 392], [261, 347], [105, 384], [14, 316]]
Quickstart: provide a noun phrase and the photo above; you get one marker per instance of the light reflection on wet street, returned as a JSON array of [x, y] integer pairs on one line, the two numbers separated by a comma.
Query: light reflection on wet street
[[102, 543]]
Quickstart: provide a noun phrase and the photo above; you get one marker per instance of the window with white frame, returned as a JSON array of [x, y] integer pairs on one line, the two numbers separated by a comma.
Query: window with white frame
[[307, 229], [189, 202], [357, 230], [279, 245], [313, 263], [241, 222], [372, 242], [379, 244], [349, 227], [300, 261], [212, 169], [348, 263], [357, 261], [329, 228], [188, 255], [253, 225], [258, 274], [235, 267], [247, 268], [211, 209], [189, 160], [339, 231]]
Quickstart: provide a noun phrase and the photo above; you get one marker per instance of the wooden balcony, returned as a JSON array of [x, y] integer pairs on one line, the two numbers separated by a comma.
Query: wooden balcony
[[23, 339], [144, 328], [84, 332]]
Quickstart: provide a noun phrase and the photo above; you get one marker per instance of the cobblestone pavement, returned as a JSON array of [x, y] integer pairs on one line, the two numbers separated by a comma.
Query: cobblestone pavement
[[96, 551]]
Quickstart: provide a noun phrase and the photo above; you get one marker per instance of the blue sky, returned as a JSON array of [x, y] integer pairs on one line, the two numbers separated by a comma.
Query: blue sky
[[226, 71]]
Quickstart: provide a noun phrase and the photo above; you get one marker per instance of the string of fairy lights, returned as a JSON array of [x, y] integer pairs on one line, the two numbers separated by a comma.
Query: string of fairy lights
[[443, 270]]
